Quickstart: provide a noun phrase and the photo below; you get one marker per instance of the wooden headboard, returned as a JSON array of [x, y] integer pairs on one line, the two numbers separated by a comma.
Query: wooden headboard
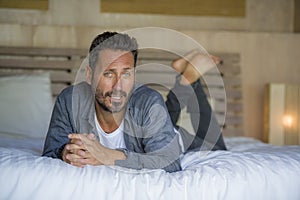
[[63, 63]]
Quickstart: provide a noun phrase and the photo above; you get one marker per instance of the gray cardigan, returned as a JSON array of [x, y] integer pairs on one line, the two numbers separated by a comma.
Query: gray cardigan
[[148, 131]]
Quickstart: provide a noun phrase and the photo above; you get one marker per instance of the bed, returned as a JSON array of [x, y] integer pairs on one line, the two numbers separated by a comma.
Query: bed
[[249, 169]]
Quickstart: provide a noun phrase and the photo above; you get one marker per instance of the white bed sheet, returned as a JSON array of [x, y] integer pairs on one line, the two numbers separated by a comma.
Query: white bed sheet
[[249, 170]]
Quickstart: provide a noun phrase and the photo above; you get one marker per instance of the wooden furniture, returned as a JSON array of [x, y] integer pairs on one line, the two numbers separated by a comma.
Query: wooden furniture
[[281, 114], [223, 86], [61, 63]]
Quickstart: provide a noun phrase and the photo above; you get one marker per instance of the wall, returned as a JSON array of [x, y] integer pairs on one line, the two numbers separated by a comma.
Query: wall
[[264, 39], [261, 15]]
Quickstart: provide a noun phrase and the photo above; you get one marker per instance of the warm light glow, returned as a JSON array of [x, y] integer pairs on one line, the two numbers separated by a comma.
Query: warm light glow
[[287, 120]]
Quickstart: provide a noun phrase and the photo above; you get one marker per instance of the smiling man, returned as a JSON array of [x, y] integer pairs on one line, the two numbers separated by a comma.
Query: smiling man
[[120, 122], [111, 120]]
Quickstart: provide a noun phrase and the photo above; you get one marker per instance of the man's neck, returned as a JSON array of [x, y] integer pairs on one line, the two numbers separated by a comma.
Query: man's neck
[[108, 121]]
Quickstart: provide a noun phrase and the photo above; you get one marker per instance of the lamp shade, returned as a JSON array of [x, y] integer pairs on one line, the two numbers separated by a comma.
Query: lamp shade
[[281, 114]]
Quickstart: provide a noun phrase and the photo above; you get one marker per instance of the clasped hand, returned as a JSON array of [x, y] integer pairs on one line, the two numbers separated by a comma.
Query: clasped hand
[[85, 149]]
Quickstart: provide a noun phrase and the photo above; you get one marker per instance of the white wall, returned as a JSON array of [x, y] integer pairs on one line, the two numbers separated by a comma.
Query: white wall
[[261, 15]]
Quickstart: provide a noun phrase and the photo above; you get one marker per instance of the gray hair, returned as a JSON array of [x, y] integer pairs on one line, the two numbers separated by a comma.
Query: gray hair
[[113, 41]]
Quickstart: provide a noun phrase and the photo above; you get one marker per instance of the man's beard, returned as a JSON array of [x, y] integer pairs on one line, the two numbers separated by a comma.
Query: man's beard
[[116, 107]]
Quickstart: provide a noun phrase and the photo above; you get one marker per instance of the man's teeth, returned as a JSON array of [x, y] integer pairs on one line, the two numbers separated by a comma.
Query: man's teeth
[[116, 97]]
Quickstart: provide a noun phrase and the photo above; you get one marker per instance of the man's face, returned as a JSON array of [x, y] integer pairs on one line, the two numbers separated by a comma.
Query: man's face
[[113, 79]]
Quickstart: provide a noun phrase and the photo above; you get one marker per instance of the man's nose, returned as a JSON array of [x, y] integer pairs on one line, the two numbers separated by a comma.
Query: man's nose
[[118, 83]]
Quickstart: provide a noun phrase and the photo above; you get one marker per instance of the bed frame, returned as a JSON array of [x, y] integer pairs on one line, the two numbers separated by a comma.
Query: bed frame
[[63, 63]]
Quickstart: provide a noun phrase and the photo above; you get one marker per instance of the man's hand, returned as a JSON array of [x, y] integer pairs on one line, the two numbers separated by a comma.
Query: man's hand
[[95, 153], [75, 154]]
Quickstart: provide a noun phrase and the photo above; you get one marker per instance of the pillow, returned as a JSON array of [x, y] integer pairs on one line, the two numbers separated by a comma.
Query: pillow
[[25, 104]]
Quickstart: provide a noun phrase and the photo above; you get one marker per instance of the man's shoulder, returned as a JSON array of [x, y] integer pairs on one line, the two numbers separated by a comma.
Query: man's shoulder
[[143, 93], [143, 90]]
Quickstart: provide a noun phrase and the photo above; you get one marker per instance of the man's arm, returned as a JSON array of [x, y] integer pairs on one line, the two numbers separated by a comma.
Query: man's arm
[[60, 126], [97, 154]]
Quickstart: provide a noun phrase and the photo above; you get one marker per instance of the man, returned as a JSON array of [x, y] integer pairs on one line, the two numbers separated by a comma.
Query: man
[[120, 122]]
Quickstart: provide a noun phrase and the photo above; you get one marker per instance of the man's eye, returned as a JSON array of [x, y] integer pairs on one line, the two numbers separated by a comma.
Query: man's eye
[[108, 74], [127, 74]]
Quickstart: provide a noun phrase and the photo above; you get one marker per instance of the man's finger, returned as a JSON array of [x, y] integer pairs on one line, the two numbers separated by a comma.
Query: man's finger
[[77, 141], [91, 136], [80, 152], [71, 147], [74, 136]]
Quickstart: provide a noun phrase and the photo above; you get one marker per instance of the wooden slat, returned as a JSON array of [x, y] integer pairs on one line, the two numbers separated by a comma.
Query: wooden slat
[[224, 106], [216, 93], [157, 67], [235, 107], [230, 120], [37, 51], [158, 78], [57, 88], [38, 64], [62, 77], [55, 76], [151, 54], [232, 132], [154, 54], [232, 81], [165, 66], [229, 69], [233, 94], [228, 57], [220, 93], [217, 81], [234, 120]]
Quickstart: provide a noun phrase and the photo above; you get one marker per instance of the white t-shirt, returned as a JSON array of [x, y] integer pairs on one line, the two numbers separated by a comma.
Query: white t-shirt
[[114, 140]]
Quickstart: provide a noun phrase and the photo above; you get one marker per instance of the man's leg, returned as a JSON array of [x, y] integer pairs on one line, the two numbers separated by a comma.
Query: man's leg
[[204, 121], [188, 92], [175, 102]]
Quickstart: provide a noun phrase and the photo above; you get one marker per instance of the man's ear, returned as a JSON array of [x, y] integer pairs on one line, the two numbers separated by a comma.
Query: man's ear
[[88, 74]]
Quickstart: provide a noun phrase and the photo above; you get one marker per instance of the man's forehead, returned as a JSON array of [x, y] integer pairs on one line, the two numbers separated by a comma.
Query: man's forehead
[[108, 56]]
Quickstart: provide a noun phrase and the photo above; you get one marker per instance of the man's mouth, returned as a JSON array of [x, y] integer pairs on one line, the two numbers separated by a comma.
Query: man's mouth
[[116, 97]]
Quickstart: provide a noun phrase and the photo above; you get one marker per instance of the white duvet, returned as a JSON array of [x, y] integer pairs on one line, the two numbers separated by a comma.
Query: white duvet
[[249, 170]]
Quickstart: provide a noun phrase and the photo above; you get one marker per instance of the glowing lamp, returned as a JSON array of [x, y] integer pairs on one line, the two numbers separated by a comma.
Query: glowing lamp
[[287, 121], [281, 114]]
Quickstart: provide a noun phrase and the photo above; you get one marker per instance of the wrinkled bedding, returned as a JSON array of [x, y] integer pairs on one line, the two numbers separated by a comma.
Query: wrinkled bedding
[[248, 170]]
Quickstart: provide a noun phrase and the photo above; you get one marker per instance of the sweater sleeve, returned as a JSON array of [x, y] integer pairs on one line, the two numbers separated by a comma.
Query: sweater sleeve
[[60, 126], [155, 133]]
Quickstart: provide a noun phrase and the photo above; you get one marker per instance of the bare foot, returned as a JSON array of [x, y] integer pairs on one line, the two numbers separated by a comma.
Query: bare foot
[[217, 60], [180, 64], [199, 64]]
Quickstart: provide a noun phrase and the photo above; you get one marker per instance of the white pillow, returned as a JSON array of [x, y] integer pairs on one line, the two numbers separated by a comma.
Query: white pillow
[[25, 104]]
